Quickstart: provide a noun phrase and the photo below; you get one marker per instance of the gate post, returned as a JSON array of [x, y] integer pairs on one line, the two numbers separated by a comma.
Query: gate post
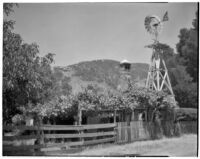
[[129, 127], [115, 128], [115, 113], [41, 131], [79, 116], [80, 122]]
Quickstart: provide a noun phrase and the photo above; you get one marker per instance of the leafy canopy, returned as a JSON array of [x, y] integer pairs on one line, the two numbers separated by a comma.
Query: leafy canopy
[[27, 77]]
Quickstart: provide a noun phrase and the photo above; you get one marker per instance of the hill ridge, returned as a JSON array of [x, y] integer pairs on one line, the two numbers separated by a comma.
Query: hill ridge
[[105, 73]]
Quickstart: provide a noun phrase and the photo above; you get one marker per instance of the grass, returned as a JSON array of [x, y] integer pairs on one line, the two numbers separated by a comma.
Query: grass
[[185, 145]]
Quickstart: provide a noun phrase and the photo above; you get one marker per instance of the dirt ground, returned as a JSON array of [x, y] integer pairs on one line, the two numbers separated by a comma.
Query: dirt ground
[[185, 145]]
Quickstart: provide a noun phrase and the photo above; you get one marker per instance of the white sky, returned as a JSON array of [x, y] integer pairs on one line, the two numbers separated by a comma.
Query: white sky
[[78, 32]]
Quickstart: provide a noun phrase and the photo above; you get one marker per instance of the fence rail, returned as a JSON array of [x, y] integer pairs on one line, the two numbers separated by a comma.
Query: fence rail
[[79, 135], [55, 137], [61, 127], [8, 127]]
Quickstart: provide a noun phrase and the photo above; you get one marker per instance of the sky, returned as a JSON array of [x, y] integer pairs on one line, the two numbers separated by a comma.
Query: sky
[[78, 32]]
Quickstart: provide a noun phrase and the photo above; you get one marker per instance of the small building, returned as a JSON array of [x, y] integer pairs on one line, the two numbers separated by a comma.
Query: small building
[[125, 65]]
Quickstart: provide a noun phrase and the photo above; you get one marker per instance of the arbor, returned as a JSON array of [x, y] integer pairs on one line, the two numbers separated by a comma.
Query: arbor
[[159, 108]]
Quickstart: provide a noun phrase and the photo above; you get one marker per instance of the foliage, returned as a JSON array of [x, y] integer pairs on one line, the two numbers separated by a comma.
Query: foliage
[[92, 101], [58, 106], [186, 95], [184, 88], [18, 119], [61, 83], [27, 77], [187, 114], [66, 88], [164, 50], [187, 49], [146, 98], [8, 7], [184, 75]]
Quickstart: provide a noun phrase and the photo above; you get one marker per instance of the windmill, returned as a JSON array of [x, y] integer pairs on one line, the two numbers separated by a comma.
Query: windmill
[[157, 78]]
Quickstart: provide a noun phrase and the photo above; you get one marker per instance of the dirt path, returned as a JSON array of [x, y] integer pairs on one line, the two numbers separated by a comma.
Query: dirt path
[[185, 145]]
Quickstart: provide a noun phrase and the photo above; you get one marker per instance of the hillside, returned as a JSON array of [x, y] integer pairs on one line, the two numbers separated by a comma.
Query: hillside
[[104, 73]]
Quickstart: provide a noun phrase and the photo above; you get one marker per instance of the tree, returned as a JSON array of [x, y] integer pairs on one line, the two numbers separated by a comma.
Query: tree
[[185, 74], [186, 95], [61, 83], [185, 90], [27, 77], [66, 87], [187, 49], [8, 7]]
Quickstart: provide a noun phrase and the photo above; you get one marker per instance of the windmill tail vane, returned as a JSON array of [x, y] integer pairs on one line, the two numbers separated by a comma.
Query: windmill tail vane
[[165, 17]]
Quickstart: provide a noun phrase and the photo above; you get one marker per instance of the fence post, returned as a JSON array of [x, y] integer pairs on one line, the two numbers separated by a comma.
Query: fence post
[[115, 128], [128, 127], [41, 131], [146, 113], [80, 122], [80, 117], [38, 140]]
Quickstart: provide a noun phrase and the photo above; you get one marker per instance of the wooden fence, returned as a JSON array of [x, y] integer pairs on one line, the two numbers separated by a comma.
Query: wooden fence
[[139, 130], [66, 138], [48, 138], [135, 131]]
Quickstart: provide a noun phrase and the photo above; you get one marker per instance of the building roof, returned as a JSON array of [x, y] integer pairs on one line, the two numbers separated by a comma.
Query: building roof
[[124, 61]]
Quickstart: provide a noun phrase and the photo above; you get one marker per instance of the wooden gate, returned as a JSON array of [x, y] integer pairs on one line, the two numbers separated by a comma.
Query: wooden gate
[[137, 130]]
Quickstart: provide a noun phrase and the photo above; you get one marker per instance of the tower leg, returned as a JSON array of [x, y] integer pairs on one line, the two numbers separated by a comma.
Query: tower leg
[[168, 80], [156, 80], [157, 63]]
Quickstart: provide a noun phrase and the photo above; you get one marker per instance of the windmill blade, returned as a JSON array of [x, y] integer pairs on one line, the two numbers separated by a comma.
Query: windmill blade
[[147, 22], [152, 24]]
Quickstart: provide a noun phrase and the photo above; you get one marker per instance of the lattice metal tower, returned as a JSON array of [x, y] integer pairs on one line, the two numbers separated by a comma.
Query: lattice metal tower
[[157, 78]]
